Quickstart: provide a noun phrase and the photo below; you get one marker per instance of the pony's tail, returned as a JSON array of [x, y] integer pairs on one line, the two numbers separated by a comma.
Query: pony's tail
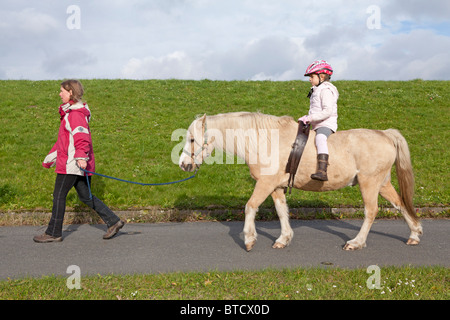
[[404, 170]]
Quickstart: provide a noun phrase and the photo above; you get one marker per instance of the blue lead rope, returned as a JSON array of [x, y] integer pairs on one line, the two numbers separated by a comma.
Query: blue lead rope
[[139, 183]]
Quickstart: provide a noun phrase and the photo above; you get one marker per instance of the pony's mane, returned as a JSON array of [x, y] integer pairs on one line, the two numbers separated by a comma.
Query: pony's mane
[[255, 120], [248, 128]]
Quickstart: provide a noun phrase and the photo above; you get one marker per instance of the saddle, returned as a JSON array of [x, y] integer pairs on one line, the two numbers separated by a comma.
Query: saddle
[[296, 153]]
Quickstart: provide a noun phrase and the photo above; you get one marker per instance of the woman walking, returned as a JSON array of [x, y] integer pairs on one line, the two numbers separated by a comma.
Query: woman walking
[[72, 152]]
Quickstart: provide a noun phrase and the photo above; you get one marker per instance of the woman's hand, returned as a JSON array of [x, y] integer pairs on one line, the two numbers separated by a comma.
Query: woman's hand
[[82, 163]]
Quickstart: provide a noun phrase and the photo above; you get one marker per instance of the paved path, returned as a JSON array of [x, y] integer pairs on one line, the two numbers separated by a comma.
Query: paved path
[[203, 246]]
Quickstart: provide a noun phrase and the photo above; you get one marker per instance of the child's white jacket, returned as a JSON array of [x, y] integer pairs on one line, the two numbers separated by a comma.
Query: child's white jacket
[[323, 106]]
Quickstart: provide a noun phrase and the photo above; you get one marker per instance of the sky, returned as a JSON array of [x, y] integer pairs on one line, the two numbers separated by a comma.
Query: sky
[[224, 39]]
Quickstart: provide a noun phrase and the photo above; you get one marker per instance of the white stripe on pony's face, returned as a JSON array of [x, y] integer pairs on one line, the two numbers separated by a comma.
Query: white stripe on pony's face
[[192, 156]]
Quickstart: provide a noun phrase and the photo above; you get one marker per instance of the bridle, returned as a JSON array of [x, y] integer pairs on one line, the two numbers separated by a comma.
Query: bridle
[[193, 154]]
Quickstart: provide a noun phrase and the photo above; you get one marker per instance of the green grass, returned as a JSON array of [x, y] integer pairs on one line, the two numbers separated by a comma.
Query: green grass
[[405, 283], [133, 122]]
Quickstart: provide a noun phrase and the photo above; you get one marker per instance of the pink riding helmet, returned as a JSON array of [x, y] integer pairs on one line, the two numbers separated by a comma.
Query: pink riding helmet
[[319, 66]]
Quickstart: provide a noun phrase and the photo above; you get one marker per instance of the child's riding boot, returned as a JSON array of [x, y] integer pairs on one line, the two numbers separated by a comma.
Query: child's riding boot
[[321, 173]]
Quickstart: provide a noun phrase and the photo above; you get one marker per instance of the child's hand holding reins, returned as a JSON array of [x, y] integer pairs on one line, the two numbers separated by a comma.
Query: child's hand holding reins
[[305, 119]]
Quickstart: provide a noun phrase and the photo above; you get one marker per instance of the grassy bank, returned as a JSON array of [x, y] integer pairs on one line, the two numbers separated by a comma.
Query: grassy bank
[[133, 122]]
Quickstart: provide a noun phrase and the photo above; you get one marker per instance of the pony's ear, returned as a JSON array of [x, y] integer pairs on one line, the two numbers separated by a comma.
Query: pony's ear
[[203, 118]]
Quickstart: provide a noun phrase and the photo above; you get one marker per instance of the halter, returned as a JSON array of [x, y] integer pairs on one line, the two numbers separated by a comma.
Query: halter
[[193, 154]]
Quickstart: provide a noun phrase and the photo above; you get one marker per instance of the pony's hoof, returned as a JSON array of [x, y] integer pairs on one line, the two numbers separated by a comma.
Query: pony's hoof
[[278, 245], [249, 246], [349, 247], [412, 242], [352, 247]]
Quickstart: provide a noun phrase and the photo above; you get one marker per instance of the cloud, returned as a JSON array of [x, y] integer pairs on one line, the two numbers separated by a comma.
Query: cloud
[[74, 63], [26, 21], [174, 65], [268, 58], [224, 40], [419, 53], [418, 11]]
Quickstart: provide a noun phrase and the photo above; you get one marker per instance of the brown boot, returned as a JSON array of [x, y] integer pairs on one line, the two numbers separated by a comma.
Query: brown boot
[[45, 238], [111, 232], [321, 173]]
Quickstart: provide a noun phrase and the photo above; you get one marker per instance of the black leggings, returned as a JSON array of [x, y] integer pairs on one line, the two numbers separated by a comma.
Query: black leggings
[[63, 184]]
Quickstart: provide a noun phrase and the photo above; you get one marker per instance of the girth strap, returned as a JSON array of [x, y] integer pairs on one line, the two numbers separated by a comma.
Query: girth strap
[[296, 153]]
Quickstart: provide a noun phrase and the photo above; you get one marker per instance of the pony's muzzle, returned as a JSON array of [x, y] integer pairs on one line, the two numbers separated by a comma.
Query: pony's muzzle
[[187, 167]]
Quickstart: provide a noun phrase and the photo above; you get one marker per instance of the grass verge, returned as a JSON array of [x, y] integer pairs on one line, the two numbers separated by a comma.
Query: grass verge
[[395, 283], [157, 215]]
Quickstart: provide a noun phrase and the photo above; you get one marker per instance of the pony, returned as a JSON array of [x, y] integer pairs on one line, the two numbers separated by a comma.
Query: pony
[[361, 157]]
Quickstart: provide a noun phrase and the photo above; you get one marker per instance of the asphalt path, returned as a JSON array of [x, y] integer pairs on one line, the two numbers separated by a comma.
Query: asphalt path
[[211, 246]]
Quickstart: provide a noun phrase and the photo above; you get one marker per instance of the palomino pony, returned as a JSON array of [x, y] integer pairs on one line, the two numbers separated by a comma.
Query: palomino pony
[[358, 156]]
